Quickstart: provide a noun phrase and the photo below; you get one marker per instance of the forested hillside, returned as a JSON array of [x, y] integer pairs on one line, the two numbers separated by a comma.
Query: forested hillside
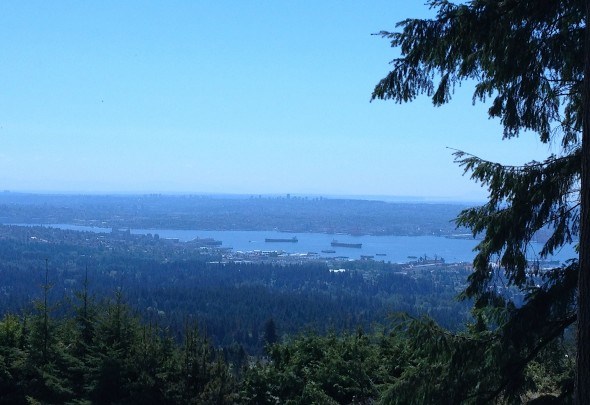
[[133, 319], [102, 353], [170, 283]]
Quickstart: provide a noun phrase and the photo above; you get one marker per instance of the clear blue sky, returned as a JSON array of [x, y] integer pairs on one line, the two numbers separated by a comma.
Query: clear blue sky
[[246, 97]]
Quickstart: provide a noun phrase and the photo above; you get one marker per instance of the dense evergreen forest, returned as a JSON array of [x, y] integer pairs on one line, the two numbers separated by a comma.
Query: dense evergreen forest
[[102, 353], [171, 282], [125, 318]]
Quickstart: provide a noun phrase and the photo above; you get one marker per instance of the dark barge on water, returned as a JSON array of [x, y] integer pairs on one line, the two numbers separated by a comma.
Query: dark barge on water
[[348, 245], [292, 240]]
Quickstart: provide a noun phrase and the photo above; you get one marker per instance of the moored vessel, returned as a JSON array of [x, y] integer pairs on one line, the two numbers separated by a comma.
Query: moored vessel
[[292, 240], [344, 244]]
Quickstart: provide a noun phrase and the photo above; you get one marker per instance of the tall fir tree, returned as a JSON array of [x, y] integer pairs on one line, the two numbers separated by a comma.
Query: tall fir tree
[[530, 60]]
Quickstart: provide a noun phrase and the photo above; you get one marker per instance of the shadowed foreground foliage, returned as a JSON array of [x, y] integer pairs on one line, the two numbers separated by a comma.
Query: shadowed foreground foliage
[[102, 353], [529, 62]]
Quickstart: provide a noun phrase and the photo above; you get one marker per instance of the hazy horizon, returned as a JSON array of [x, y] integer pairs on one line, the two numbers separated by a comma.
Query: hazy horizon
[[385, 198]]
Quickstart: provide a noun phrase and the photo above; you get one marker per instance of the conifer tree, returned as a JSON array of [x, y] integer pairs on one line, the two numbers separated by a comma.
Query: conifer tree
[[11, 359], [530, 61], [47, 361], [82, 332], [270, 332]]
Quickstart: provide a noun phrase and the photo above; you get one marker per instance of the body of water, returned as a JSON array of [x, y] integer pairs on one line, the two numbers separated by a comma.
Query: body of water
[[396, 249]]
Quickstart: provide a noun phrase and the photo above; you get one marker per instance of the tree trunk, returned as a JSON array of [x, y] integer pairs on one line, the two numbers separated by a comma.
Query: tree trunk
[[582, 384]]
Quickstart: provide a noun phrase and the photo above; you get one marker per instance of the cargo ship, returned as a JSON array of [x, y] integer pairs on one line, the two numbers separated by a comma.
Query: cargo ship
[[292, 240], [206, 242], [348, 245]]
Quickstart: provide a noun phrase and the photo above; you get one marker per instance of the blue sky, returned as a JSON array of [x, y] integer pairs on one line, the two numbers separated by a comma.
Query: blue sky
[[246, 97]]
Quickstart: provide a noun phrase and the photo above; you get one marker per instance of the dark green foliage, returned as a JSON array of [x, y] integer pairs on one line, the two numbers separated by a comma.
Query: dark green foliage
[[526, 59], [522, 202], [270, 333], [524, 55], [110, 356], [231, 302], [477, 366], [12, 358], [418, 362], [316, 369], [122, 362]]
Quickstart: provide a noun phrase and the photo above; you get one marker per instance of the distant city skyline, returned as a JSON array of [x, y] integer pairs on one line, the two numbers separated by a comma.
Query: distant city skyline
[[384, 198], [227, 97]]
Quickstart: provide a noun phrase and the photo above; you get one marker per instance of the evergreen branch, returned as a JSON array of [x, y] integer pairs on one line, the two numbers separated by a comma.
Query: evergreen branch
[[555, 216], [519, 366], [459, 157], [448, 334]]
